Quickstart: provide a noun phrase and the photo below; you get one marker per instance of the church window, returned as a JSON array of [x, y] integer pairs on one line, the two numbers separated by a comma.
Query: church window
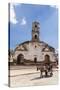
[[35, 25], [35, 36]]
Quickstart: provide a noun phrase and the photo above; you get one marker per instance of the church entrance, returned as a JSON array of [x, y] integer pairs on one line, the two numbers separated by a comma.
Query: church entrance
[[47, 59], [35, 60], [20, 59]]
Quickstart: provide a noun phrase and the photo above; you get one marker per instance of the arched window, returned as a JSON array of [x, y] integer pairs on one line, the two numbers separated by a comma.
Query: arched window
[[35, 25], [35, 36]]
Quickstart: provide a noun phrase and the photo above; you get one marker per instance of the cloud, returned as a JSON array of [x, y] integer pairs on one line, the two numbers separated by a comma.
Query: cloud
[[16, 4], [23, 21], [54, 6], [13, 19]]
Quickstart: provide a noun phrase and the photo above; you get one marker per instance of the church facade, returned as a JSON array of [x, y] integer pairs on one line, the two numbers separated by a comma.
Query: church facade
[[34, 50]]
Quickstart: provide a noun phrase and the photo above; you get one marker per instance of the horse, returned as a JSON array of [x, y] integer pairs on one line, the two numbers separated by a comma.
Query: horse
[[45, 68]]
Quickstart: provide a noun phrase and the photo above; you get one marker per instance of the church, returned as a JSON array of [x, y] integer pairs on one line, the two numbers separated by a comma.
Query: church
[[35, 50]]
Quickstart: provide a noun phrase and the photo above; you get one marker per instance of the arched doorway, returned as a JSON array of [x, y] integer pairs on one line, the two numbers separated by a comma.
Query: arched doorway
[[20, 59], [47, 59], [35, 60]]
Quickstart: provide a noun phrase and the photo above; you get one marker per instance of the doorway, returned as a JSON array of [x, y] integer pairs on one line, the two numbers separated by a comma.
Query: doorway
[[47, 59], [35, 60], [20, 58]]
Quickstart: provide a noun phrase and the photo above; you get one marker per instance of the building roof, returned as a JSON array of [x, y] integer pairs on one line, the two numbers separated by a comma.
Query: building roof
[[41, 42]]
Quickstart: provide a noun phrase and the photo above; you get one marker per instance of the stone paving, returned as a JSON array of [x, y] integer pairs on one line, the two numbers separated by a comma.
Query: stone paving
[[29, 76]]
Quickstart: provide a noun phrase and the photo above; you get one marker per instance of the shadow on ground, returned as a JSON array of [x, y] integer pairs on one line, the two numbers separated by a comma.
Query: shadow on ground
[[23, 74], [38, 78]]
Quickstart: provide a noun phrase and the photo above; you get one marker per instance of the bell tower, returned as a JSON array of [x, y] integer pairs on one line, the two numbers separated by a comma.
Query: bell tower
[[35, 31]]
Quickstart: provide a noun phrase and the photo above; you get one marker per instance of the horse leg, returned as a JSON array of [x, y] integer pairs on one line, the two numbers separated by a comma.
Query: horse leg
[[46, 74], [51, 73], [37, 69], [41, 74]]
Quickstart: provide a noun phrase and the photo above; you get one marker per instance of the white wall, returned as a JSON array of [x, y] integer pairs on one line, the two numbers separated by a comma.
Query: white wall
[[34, 52]]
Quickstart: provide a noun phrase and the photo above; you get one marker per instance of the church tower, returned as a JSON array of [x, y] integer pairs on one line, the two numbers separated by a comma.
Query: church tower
[[35, 31]]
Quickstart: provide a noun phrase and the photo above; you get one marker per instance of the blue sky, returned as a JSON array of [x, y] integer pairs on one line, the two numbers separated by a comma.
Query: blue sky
[[21, 18]]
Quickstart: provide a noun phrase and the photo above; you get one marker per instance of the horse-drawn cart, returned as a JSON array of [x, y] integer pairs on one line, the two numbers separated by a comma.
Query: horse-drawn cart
[[46, 69]]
